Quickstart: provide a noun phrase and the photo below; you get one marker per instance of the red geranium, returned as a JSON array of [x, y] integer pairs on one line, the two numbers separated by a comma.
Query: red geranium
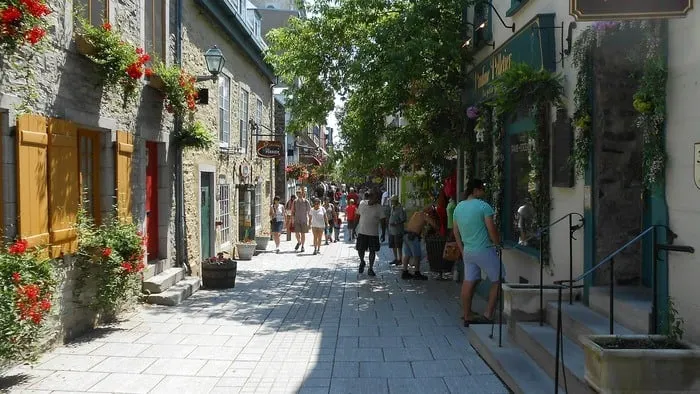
[[10, 15], [35, 34], [106, 252], [16, 278], [18, 247]]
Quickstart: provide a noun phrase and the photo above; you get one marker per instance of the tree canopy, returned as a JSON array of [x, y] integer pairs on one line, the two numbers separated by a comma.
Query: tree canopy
[[383, 57]]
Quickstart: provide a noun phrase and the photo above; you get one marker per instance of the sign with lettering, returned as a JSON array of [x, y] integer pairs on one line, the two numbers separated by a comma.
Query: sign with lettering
[[533, 44], [269, 149], [696, 165], [598, 10]]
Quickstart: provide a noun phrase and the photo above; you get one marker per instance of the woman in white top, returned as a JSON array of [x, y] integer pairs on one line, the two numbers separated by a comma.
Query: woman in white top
[[319, 222], [276, 220]]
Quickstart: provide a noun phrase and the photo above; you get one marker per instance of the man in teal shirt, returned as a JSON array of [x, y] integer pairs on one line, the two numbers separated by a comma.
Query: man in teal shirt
[[477, 239]]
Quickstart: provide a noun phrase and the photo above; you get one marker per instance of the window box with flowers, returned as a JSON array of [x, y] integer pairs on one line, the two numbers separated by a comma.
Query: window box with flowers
[[22, 22], [119, 63], [111, 257], [27, 283], [177, 86]]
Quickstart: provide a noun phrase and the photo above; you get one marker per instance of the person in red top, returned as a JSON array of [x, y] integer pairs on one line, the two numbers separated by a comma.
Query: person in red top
[[352, 196], [350, 218], [442, 212]]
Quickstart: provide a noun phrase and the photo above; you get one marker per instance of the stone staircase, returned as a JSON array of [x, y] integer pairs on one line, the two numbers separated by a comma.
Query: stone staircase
[[526, 361], [165, 285]]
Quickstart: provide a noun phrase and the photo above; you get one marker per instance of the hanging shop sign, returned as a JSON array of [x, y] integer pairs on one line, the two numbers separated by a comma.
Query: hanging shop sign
[[269, 149], [533, 45], [598, 10]]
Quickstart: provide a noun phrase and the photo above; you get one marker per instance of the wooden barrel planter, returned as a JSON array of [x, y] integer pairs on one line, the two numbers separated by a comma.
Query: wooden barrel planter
[[219, 274]]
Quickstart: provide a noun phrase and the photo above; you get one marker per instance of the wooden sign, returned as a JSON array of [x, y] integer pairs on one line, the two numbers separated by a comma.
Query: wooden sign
[[599, 10], [269, 149]]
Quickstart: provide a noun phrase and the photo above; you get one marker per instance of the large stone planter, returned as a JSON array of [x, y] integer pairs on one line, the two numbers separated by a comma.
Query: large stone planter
[[245, 250], [640, 370], [521, 302], [261, 242], [219, 275]]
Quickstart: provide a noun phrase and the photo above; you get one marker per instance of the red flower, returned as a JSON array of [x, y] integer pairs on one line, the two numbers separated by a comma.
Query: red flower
[[144, 58], [19, 247], [45, 304], [10, 14], [134, 71], [36, 8], [16, 277], [35, 34], [31, 292], [139, 50], [126, 267], [106, 252], [149, 72], [107, 26]]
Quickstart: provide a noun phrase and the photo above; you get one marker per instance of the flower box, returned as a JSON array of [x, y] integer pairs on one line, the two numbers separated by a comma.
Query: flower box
[[156, 82], [640, 364], [261, 242], [84, 46], [246, 250], [521, 302], [219, 273]]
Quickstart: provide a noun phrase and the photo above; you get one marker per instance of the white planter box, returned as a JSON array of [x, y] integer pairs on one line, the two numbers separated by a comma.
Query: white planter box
[[521, 302]]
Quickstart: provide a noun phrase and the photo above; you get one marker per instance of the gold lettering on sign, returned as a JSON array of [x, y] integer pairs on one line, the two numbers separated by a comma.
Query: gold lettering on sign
[[482, 78], [501, 63]]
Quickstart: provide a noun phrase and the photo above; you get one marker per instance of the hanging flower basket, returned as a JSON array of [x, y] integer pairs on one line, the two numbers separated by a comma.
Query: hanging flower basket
[[84, 47], [156, 82]]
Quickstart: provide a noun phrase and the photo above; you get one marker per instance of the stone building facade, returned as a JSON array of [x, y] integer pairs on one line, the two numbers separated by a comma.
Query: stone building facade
[[67, 88], [228, 188]]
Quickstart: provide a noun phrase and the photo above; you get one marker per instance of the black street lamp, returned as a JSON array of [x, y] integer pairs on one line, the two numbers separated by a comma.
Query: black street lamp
[[215, 63]]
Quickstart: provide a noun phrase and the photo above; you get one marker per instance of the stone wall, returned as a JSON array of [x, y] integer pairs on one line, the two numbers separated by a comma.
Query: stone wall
[[198, 36], [67, 86], [280, 176]]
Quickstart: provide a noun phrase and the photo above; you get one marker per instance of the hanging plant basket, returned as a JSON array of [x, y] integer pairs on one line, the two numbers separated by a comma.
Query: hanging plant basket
[[156, 82], [84, 47]]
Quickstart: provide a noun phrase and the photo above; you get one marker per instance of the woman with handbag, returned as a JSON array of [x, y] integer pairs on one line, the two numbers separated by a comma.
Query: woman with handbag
[[277, 212]]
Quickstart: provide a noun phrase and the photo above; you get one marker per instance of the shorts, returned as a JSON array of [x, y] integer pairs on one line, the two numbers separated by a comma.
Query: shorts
[[276, 226], [301, 227], [396, 241], [486, 260], [412, 246], [351, 224], [365, 242]]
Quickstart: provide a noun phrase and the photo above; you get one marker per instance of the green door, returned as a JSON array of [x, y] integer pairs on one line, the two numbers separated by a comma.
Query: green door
[[205, 212]]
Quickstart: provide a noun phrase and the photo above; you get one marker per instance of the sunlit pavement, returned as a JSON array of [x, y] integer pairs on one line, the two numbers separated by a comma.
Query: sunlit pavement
[[293, 323]]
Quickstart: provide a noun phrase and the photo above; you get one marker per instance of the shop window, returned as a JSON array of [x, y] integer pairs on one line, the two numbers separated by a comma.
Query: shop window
[[89, 156], [155, 28], [519, 212], [515, 6], [224, 203], [258, 205], [244, 118], [224, 109], [94, 11]]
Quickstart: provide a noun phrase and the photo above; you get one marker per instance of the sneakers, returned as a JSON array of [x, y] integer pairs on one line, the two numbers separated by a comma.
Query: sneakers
[[406, 275], [297, 247], [277, 251], [315, 251], [370, 272], [362, 267], [302, 249]]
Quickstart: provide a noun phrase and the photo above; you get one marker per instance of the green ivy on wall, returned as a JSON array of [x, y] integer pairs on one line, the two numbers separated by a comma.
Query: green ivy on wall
[[649, 99]]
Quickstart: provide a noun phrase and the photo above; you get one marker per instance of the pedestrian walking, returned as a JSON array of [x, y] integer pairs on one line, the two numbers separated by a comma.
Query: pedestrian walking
[[302, 209], [478, 239], [350, 212], [276, 221], [319, 222], [368, 217], [397, 219], [330, 211], [289, 210]]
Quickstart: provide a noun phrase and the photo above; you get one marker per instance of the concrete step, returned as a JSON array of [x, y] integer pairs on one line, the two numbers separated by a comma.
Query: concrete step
[[176, 294], [154, 267], [539, 342], [163, 281], [578, 320], [632, 305], [516, 368]]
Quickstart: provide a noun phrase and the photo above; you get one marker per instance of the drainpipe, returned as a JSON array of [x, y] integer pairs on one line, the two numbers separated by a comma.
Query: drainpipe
[[180, 243], [274, 137]]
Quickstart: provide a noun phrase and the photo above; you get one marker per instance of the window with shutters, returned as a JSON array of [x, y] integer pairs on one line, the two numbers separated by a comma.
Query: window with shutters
[[224, 110], [244, 118], [89, 145], [224, 214], [154, 28], [94, 11], [124, 149]]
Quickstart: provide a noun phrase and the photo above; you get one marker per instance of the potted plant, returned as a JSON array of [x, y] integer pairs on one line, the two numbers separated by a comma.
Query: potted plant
[[262, 239], [219, 272], [246, 247], [194, 135], [118, 62], [643, 363], [177, 86]]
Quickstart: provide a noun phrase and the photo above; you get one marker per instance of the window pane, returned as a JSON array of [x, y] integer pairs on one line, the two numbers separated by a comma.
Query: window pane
[[148, 25], [80, 7], [522, 212], [224, 214], [158, 30], [224, 108], [98, 11]]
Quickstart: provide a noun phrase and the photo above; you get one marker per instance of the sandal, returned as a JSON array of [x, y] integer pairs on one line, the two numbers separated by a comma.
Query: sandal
[[478, 319]]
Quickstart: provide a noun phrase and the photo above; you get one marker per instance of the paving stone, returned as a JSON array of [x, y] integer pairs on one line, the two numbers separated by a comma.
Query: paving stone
[[438, 368], [184, 367], [359, 354], [487, 384], [168, 351], [127, 383], [359, 386], [120, 349], [381, 342], [421, 386], [71, 362], [69, 381], [153, 338], [123, 365], [214, 353], [214, 368], [384, 369], [184, 385], [407, 354]]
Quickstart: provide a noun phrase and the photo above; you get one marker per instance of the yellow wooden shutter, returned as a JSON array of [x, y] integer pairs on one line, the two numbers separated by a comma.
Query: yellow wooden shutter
[[32, 193], [124, 148], [64, 186]]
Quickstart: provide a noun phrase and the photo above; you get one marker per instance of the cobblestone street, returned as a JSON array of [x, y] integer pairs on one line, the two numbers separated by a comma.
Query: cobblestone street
[[293, 323]]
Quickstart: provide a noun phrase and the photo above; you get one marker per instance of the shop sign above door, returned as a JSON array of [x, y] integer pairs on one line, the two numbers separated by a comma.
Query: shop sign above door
[[598, 10], [269, 149]]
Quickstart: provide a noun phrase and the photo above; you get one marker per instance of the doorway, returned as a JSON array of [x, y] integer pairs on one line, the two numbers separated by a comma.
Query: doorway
[[206, 215], [152, 221]]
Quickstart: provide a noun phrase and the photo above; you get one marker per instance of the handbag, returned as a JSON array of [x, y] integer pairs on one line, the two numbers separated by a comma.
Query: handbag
[[451, 251]]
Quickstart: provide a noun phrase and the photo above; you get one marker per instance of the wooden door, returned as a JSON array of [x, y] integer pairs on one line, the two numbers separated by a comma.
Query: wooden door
[[152, 200], [205, 216]]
